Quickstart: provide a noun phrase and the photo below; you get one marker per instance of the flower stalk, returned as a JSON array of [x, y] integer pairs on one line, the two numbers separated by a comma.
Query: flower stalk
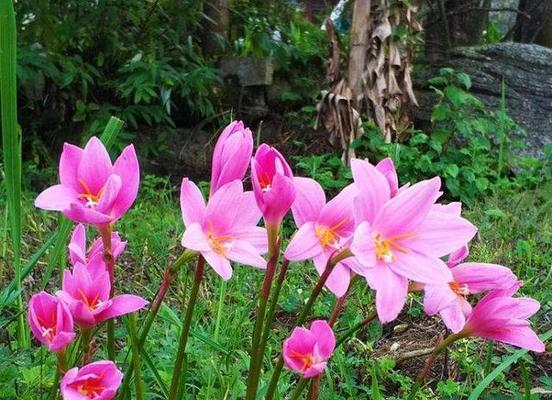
[[257, 349], [304, 313], [105, 232], [177, 370], [62, 361]]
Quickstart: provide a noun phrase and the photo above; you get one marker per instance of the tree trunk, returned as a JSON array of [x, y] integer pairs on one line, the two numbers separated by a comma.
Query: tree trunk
[[215, 32], [360, 41]]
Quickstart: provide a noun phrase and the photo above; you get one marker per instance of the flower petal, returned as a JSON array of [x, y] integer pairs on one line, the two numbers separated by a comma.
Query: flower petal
[[480, 277], [109, 196], [453, 317], [221, 209], [325, 338], [438, 297], [363, 245], [79, 213], [57, 198], [421, 268], [192, 203], [387, 168], [121, 305], [95, 165], [219, 263], [304, 244], [373, 190], [391, 291], [195, 239], [309, 200], [69, 166], [244, 253], [128, 169]]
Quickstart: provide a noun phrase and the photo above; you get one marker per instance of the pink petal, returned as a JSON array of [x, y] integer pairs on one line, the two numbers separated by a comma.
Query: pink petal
[[453, 317], [79, 213], [387, 168], [219, 263], [61, 341], [340, 277], [391, 291], [192, 203], [255, 235], [315, 370], [338, 213], [457, 256], [195, 239], [95, 166], [373, 190], [221, 209], [81, 314], [128, 169], [77, 246], [363, 245], [420, 268], [57, 198], [480, 277], [304, 244], [69, 166], [454, 208], [121, 305], [244, 253], [438, 297], [278, 200], [109, 196], [325, 338], [522, 336], [440, 234], [247, 213], [309, 200], [405, 212]]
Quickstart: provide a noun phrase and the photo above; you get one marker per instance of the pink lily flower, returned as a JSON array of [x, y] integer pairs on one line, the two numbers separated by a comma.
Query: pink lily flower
[[307, 351], [324, 228], [50, 321], [77, 246], [92, 190], [504, 319], [231, 155], [98, 380], [402, 237], [86, 292], [273, 186], [225, 229], [449, 299], [387, 168]]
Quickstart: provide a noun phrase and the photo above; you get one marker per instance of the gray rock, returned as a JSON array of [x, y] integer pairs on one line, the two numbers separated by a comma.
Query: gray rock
[[250, 71], [504, 19], [527, 72]]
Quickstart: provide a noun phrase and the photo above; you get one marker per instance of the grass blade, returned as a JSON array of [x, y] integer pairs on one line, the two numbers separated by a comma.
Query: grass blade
[[501, 367], [11, 141]]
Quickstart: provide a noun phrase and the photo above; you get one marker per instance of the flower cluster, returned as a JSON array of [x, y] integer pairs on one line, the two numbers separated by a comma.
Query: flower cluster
[[94, 192], [399, 239]]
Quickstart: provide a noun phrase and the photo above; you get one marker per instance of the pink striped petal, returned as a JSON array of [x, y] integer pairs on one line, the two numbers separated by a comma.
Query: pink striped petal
[[373, 190], [121, 305], [420, 268], [244, 253], [57, 198], [79, 213], [304, 244], [192, 203], [195, 239], [128, 169], [219, 263], [95, 166], [438, 297], [480, 277], [69, 166], [309, 200]]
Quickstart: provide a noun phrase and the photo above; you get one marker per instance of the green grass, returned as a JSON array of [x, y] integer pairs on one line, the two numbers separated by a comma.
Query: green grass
[[515, 229]]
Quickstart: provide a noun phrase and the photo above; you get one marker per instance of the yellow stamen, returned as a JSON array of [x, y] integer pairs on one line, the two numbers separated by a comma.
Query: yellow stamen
[[459, 289], [329, 236], [218, 243], [384, 247], [92, 198], [306, 359]]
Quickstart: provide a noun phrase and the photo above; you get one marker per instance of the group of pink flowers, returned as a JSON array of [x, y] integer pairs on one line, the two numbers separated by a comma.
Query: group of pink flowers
[[398, 238]]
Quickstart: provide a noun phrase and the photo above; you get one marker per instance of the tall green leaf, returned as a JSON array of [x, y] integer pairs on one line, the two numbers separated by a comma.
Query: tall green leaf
[[11, 141]]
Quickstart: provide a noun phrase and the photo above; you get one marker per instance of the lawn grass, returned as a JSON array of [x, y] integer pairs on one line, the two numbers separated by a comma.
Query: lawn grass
[[515, 229]]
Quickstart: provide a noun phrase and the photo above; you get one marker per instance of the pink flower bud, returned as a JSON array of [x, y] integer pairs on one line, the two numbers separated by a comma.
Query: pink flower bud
[[98, 380]]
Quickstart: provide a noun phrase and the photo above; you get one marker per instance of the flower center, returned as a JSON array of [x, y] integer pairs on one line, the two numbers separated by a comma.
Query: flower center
[[92, 305], [306, 359], [385, 247], [48, 328], [221, 243], [328, 236], [91, 198], [265, 180], [459, 288], [91, 388]]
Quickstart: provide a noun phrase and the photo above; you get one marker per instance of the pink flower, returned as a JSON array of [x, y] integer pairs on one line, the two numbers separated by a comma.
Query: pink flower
[[86, 291], [387, 168], [504, 319], [402, 237], [98, 380], [273, 186], [77, 246], [231, 155], [50, 321], [92, 190], [307, 351], [225, 229], [324, 228], [449, 299]]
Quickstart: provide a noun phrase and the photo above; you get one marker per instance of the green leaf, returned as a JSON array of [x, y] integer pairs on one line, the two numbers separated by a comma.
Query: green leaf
[[496, 213], [440, 112], [464, 79], [456, 95], [452, 170]]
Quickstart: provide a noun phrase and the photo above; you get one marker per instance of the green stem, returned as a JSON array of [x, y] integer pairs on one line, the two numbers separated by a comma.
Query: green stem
[[86, 337], [299, 388], [222, 294], [372, 316], [439, 348], [177, 370], [105, 231], [168, 277], [256, 354], [62, 361], [304, 313], [135, 356]]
